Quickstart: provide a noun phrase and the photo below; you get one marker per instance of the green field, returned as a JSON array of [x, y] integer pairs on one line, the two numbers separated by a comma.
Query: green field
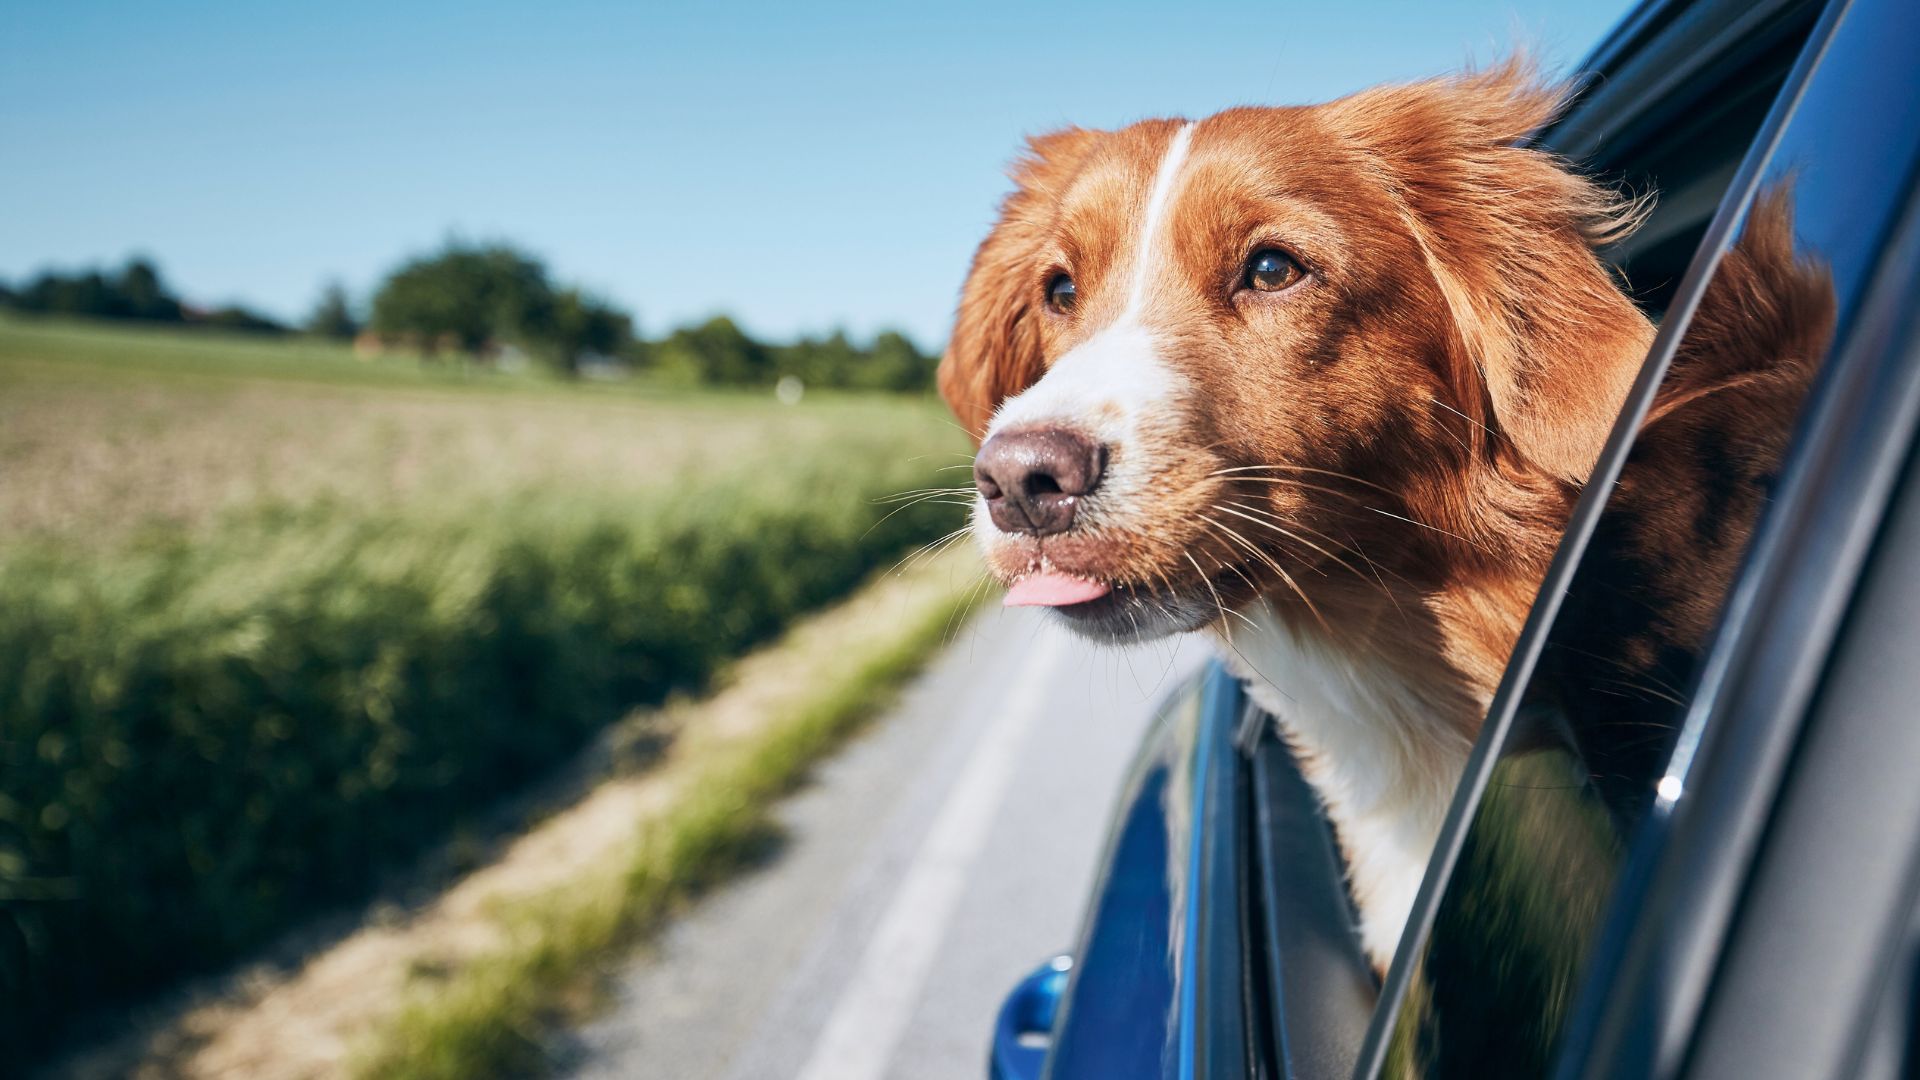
[[273, 617]]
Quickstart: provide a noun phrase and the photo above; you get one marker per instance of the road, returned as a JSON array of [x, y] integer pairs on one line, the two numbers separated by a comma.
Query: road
[[926, 868]]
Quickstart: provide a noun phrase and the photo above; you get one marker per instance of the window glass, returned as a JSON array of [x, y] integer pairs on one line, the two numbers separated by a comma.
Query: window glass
[[1597, 721]]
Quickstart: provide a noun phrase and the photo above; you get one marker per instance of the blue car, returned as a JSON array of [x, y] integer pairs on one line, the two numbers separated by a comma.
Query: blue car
[[1709, 869]]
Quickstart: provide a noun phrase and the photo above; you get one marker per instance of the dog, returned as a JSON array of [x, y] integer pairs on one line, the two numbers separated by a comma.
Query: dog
[[1322, 381]]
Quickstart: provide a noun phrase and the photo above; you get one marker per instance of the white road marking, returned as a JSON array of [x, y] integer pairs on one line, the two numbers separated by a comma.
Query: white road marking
[[868, 1021]]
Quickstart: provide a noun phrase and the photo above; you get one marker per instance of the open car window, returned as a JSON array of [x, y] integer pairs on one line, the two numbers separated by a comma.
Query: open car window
[[1681, 142], [1590, 734]]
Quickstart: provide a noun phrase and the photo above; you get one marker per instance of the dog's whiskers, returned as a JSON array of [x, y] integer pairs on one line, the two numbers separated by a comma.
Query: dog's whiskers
[[1424, 525], [1264, 518], [1285, 577], [1218, 604], [1348, 477], [954, 622], [900, 496], [927, 552], [1468, 419], [1290, 481], [1375, 568], [1332, 491], [909, 499]]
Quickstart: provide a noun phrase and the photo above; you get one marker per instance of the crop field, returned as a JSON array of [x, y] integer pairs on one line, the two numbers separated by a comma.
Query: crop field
[[105, 431], [273, 617]]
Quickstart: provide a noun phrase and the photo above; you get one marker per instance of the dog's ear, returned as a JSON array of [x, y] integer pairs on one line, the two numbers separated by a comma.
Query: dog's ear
[[995, 349], [1544, 344]]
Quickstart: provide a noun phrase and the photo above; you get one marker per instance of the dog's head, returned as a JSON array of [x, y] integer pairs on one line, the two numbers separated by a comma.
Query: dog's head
[[1212, 361]]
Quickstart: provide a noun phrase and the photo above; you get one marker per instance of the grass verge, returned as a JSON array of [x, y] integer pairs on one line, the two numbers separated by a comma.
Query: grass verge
[[489, 1017]]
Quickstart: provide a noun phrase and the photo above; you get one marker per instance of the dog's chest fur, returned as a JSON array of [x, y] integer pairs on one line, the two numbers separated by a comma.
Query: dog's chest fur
[[1383, 746]]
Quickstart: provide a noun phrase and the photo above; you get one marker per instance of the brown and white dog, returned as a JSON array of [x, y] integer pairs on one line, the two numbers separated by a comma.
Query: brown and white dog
[[1322, 380]]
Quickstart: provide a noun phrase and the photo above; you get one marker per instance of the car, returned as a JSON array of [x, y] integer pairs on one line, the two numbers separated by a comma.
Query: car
[[1687, 843]]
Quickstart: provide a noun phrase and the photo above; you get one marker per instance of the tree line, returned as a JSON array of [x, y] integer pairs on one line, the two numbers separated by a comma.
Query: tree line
[[487, 301], [135, 291]]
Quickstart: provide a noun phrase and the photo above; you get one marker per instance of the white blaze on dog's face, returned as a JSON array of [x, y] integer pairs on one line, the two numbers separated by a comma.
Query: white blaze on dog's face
[[1241, 358], [1111, 385], [1116, 377]]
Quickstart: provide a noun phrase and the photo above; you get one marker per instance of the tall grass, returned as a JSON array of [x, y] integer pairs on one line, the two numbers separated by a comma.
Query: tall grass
[[206, 731]]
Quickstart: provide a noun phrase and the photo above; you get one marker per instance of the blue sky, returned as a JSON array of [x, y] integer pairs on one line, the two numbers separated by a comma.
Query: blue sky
[[802, 166]]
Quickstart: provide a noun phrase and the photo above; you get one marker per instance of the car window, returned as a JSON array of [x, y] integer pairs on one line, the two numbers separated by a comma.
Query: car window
[[1588, 753]]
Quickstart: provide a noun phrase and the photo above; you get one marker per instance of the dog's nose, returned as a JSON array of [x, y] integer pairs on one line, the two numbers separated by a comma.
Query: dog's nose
[[1033, 479]]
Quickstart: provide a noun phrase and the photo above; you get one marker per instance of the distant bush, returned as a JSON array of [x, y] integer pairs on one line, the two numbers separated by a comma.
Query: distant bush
[[892, 362], [201, 740], [238, 318], [719, 353], [716, 352]]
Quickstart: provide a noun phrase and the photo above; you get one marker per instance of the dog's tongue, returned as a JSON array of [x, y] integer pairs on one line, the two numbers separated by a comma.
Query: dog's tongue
[[1051, 588]]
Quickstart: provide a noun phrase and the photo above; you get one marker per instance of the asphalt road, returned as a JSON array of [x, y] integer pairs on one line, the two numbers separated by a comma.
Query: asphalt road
[[929, 866]]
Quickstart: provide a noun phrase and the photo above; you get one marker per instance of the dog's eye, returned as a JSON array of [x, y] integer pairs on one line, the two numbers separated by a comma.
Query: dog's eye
[[1270, 270], [1060, 293]]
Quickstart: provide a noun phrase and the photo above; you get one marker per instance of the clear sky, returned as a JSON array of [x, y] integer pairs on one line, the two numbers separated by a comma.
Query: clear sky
[[802, 166]]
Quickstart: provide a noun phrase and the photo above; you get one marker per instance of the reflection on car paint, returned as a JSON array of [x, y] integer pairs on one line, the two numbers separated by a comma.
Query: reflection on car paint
[[1119, 1006], [1153, 988]]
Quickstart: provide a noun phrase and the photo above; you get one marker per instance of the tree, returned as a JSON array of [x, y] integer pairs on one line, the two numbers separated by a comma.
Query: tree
[[718, 352], [895, 364], [136, 292], [479, 297], [142, 295], [333, 317], [582, 325]]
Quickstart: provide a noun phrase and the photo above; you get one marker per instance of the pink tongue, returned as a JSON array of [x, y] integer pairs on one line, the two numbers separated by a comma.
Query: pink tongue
[[1054, 589]]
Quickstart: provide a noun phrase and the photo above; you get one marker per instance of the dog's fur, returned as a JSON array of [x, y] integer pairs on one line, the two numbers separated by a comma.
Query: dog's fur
[[1355, 483]]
